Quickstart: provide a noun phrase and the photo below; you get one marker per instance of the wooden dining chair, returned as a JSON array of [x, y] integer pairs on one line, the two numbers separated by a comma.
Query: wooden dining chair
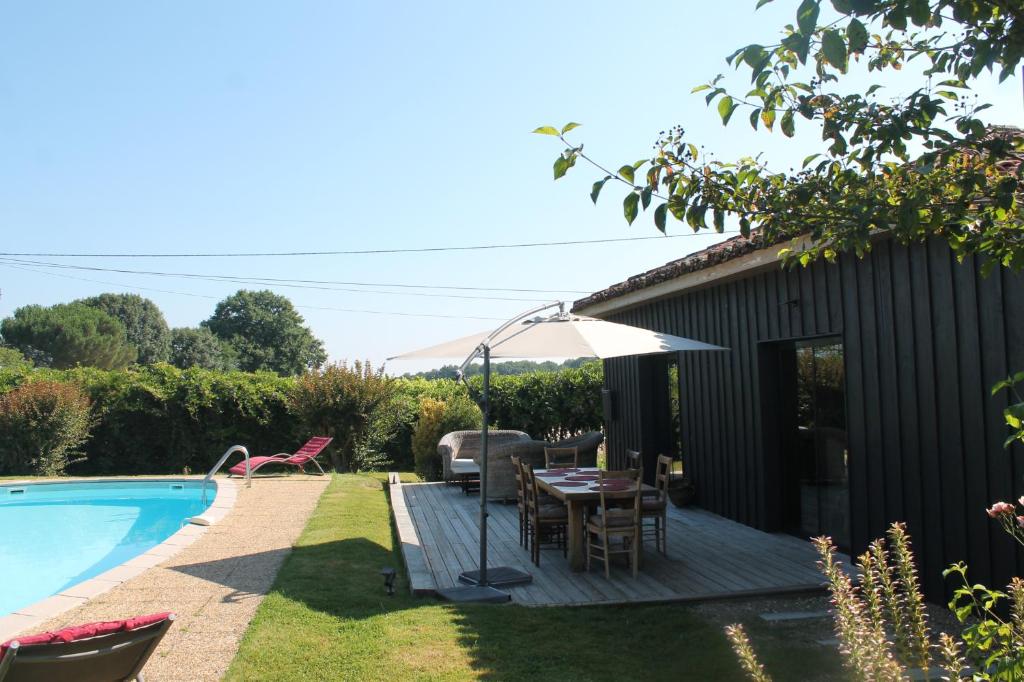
[[547, 523], [517, 467], [556, 457], [616, 520], [656, 507]]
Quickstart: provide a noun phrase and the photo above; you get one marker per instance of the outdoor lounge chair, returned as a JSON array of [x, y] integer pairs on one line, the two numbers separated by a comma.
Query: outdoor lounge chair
[[95, 652], [303, 456], [460, 451]]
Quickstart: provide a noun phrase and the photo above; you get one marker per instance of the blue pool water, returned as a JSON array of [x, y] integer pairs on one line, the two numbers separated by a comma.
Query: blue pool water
[[55, 535]]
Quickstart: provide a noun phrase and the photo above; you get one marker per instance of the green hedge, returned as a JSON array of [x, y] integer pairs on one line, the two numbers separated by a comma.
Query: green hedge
[[158, 419]]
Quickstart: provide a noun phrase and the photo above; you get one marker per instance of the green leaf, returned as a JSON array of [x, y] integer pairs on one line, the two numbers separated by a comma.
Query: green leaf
[[569, 126], [627, 172], [762, 3], [808, 159], [755, 118], [745, 227], [561, 166], [833, 47], [659, 216], [700, 88], [645, 197], [787, 124], [719, 220], [546, 130], [807, 16], [595, 191], [768, 118], [857, 35], [725, 108], [920, 12], [629, 206]]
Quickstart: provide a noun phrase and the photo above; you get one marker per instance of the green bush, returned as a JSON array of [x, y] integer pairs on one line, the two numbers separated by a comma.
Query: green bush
[[340, 401], [548, 405], [43, 424], [436, 418], [157, 419]]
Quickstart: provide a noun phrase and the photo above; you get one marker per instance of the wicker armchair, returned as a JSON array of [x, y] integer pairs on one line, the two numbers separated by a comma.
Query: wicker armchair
[[465, 445], [501, 475]]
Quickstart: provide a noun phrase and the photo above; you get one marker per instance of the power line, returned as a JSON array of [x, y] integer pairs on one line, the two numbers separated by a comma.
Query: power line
[[363, 252], [260, 281], [297, 305], [299, 283]]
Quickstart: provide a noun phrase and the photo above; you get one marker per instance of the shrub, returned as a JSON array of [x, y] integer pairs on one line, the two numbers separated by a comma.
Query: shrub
[[43, 424], [436, 418], [340, 401], [159, 419], [11, 359], [548, 405]]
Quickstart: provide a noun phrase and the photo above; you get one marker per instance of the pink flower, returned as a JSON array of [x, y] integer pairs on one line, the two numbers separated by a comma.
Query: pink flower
[[1020, 521], [1021, 501], [1000, 508]]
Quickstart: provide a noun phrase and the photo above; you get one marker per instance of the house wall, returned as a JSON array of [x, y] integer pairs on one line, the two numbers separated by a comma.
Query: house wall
[[925, 338]]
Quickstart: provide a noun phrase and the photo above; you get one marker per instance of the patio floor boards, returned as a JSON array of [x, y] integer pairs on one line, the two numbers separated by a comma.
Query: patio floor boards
[[708, 556]]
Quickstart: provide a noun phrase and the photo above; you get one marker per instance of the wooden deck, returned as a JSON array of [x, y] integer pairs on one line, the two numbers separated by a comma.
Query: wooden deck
[[709, 557]]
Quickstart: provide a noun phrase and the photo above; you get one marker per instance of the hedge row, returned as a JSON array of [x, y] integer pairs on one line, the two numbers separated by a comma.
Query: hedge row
[[158, 419]]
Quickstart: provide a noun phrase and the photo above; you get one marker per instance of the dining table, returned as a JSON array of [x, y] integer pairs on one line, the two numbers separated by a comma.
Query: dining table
[[577, 488]]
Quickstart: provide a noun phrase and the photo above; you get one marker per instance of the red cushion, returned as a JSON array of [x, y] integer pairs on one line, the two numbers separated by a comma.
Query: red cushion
[[77, 632]]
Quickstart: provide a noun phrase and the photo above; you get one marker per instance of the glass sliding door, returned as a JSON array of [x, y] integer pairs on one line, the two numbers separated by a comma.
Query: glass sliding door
[[816, 442]]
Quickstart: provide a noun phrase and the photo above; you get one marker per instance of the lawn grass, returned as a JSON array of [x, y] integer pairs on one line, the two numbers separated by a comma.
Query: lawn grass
[[328, 617]]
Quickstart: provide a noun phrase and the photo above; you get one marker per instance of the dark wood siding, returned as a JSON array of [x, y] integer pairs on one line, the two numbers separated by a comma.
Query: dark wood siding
[[925, 337]]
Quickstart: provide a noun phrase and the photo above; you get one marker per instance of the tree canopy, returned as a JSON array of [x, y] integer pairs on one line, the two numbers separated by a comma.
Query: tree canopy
[[502, 368], [198, 347], [144, 324], [68, 334], [266, 332], [915, 165]]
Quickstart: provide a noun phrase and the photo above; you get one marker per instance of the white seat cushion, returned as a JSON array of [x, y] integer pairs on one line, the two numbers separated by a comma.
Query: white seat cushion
[[464, 466]]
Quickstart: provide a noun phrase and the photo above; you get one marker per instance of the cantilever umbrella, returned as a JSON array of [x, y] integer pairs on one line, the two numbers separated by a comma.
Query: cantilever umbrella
[[559, 335]]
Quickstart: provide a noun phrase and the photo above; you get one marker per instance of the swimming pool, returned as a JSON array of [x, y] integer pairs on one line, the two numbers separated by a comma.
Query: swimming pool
[[55, 535]]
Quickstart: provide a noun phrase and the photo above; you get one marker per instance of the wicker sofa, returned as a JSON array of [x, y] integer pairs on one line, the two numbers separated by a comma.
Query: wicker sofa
[[460, 450], [501, 480]]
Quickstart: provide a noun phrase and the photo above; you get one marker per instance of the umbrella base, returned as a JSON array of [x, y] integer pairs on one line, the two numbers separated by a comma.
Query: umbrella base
[[502, 575], [474, 593]]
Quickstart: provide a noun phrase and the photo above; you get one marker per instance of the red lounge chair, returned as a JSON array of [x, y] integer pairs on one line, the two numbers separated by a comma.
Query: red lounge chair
[[306, 454], [96, 652]]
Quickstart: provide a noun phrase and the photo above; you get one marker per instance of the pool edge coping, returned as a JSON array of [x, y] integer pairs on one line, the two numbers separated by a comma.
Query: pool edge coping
[[43, 610]]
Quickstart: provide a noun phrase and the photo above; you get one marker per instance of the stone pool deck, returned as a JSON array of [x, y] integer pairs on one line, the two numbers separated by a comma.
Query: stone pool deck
[[215, 583]]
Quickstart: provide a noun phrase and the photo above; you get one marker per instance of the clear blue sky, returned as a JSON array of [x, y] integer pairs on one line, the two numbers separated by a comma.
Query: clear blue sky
[[248, 126]]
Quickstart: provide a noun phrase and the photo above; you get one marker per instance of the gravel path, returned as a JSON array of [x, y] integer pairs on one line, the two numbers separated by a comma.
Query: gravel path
[[215, 584]]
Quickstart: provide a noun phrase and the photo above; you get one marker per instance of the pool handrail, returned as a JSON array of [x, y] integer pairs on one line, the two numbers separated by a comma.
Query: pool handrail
[[220, 462]]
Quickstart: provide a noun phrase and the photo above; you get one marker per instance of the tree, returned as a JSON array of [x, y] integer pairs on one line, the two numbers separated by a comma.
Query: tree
[[339, 401], [198, 347], [68, 334], [267, 333], [144, 324], [919, 165]]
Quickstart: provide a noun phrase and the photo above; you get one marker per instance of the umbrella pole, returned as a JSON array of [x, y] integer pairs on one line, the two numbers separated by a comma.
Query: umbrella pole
[[486, 410], [482, 584]]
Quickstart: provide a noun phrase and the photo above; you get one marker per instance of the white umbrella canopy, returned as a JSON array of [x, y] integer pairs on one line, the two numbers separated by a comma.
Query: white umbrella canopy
[[564, 335]]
